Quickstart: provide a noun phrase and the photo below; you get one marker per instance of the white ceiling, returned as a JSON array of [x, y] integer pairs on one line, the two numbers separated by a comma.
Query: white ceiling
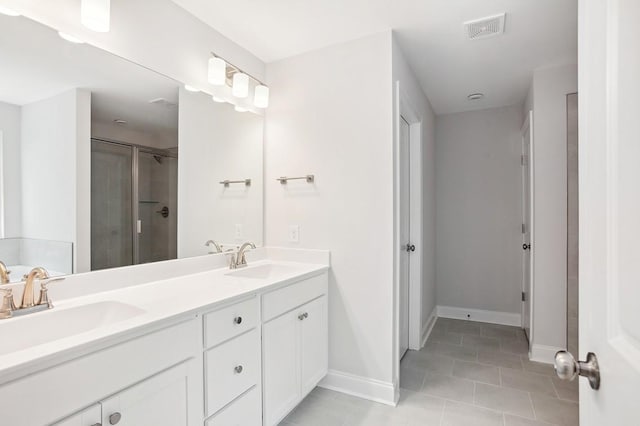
[[449, 67], [35, 63]]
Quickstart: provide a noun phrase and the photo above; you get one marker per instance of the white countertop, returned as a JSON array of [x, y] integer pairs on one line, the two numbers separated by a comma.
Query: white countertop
[[164, 302]]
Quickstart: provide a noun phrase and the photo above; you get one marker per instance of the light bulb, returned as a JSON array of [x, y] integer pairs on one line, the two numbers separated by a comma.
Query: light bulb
[[96, 15], [240, 109], [217, 71], [240, 87], [70, 38], [218, 99], [261, 96], [191, 88]]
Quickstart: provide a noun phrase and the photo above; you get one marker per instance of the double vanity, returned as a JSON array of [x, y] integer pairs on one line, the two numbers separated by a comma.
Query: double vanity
[[216, 347]]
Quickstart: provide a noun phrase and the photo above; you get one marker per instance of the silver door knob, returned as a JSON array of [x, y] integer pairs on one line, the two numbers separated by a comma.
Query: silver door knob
[[238, 369], [114, 419], [567, 368]]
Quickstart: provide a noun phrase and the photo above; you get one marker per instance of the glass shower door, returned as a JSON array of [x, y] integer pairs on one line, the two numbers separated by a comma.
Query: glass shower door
[[111, 205]]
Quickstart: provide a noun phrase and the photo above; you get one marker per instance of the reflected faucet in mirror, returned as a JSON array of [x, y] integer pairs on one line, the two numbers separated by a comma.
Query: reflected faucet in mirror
[[217, 246], [9, 309], [4, 273]]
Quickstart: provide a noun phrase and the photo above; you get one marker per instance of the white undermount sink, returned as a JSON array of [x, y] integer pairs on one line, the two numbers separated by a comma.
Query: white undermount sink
[[43, 327], [263, 272]]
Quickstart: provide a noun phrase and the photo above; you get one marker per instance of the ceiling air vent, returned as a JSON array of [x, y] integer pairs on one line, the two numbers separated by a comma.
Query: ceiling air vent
[[486, 27]]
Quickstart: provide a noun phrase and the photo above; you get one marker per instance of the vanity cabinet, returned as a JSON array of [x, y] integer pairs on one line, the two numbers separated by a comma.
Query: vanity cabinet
[[91, 416], [294, 345]]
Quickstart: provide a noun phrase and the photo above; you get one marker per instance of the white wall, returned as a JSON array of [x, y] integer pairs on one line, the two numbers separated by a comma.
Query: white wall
[[115, 132], [157, 34], [478, 255], [56, 174], [11, 174], [217, 143], [420, 104], [549, 243], [331, 115]]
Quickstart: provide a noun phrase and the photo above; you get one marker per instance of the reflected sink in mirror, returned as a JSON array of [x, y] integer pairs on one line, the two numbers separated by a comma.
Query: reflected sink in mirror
[[43, 327], [263, 272]]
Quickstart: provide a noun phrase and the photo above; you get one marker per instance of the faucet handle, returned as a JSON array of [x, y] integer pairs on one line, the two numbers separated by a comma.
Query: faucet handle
[[44, 291], [8, 305]]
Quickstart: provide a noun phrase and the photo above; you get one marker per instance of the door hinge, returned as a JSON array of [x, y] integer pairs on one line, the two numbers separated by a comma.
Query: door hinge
[[524, 228], [523, 296]]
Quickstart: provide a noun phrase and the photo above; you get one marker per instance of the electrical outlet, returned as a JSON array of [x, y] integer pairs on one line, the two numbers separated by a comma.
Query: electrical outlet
[[239, 232], [294, 233]]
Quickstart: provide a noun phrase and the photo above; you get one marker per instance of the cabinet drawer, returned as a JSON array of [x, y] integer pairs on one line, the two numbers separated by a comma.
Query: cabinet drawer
[[283, 300], [231, 369], [231, 321], [245, 411]]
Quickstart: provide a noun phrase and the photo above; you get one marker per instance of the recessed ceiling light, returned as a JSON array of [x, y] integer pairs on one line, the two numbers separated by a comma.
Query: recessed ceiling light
[[475, 96], [191, 88], [120, 121], [70, 38], [8, 12]]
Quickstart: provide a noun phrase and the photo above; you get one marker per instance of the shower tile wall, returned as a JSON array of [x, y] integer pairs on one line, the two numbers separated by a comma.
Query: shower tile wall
[[572, 223]]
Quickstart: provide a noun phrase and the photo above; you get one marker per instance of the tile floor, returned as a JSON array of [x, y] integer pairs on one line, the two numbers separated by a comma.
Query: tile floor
[[468, 374]]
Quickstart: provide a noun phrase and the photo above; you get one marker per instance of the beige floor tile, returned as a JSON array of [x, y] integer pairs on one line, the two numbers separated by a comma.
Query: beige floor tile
[[448, 387], [556, 411], [537, 367], [500, 359], [464, 327], [456, 414], [477, 372], [481, 342], [511, 420], [500, 331], [526, 381], [503, 399], [463, 353], [411, 378], [419, 408], [428, 361], [566, 390], [445, 337], [514, 346]]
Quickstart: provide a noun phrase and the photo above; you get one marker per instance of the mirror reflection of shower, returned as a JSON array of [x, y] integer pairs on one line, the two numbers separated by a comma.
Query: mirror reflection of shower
[[133, 204]]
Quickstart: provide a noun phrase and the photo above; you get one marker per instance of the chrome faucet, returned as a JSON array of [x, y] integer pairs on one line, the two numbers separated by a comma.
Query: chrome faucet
[[8, 307], [214, 244], [4, 273], [239, 260]]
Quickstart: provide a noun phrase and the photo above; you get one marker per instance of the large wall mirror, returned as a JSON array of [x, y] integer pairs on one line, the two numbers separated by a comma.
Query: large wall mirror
[[105, 163]]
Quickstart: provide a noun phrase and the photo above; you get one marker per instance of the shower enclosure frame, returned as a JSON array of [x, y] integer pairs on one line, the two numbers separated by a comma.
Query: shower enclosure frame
[[136, 149]]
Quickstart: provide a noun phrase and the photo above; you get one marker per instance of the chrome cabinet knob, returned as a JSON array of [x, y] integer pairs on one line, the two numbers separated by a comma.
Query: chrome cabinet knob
[[238, 369], [237, 320], [303, 316], [567, 368], [114, 419]]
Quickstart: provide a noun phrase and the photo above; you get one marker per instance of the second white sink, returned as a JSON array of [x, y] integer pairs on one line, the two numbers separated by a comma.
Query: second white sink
[[262, 272], [44, 327]]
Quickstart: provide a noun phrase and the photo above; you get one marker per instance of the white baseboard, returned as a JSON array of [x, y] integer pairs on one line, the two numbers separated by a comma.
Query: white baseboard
[[544, 354], [494, 317], [428, 326], [362, 387]]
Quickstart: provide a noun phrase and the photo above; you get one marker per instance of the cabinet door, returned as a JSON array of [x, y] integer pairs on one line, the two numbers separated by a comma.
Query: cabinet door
[[313, 343], [158, 401], [281, 368], [89, 417]]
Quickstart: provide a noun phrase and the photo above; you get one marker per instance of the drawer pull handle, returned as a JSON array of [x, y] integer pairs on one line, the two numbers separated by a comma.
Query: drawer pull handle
[[237, 320], [114, 419], [238, 369], [303, 316]]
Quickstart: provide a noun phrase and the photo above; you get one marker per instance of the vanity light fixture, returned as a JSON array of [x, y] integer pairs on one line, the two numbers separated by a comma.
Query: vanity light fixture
[[240, 109], [217, 71], [96, 15], [70, 38], [8, 12], [261, 96], [218, 99], [240, 88], [191, 88]]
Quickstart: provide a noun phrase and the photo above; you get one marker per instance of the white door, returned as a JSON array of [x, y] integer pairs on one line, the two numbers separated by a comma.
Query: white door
[[405, 226], [609, 87], [313, 343], [158, 401], [527, 133]]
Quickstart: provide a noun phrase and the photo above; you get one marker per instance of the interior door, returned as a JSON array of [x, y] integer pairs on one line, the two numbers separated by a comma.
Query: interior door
[[527, 138], [609, 208], [405, 226]]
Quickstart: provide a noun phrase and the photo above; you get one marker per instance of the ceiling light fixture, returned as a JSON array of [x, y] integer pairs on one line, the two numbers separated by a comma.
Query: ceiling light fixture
[[240, 88], [475, 96], [96, 14], [70, 38], [191, 88], [217, 71], [8, 12], [261, 96]]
